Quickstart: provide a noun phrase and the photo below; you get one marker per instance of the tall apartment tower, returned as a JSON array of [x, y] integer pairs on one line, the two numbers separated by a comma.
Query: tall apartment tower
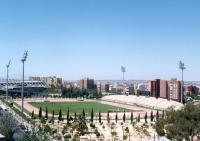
[[170, 90], [175, 89], [154, 88], [103, 87], [87, 84], [164, 90]]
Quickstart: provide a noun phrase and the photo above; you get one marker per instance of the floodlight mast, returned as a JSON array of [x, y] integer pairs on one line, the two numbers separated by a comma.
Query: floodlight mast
[[123, 69], [182, 68], [7, 66], [22, 93]]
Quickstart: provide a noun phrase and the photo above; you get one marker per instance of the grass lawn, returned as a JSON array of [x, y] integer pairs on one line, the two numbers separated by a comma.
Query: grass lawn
[[76, 107]]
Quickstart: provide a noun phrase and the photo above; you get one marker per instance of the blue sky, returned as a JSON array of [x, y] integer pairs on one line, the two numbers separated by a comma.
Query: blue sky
[[76, 38]]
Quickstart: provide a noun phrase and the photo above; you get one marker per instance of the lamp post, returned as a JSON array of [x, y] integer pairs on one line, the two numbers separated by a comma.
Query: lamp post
[[7, 66], [182, 68], [22, 94], [123, 69]]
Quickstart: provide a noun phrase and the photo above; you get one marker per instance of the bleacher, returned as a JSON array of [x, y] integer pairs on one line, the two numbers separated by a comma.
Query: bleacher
[[143, 101]]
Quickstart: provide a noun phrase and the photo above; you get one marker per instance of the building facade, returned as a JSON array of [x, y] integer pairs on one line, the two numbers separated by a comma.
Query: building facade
[[52, 81], [191, 90], [170, 90], [87, 84], [154, 88], [103, 87], [175, 89], [164, 93]]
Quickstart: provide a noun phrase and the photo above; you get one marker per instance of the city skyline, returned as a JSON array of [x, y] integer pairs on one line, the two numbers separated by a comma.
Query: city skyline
[[74, 39]]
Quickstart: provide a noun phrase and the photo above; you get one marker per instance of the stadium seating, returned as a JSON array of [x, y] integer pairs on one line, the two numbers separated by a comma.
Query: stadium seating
[[143, 101]]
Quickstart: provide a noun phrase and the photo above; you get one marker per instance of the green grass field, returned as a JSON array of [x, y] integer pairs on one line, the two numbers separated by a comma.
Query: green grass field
[[76, 107]]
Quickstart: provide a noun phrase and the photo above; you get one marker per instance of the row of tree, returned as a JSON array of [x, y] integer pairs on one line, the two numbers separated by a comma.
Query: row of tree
[[69, 117], [76, 92]]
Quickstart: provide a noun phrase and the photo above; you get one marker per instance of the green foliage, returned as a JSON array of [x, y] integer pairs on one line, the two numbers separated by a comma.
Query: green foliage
[[114, 134], [180, 125], [152, 116], [60, 115], [83, 114], [145, 117], [92, 115], [138, 119], [42, 120], [7, 125], [75, 118], [127, 130], [47, 129], [40, 113], [159, 127], [97, 133], [116, 117], [75, 93], [80, 125], [52, 91], [68, 115], [53, 114], [131, 117], [157, 115], [108, 117], [125, 137], [92, 126], [124, 117], [65, 129], [142, 130], [163, 114], [67, 136], [46, 113], [32, 115], [99, 117]]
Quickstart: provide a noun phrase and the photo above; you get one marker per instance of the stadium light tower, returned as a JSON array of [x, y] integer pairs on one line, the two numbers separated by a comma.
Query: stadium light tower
[[182, 68], [7, 66], [123, 69], [22, 94]]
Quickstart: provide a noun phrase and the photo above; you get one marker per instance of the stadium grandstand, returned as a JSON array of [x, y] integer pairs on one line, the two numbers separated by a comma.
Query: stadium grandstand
[[143, 101], [30, 87]]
